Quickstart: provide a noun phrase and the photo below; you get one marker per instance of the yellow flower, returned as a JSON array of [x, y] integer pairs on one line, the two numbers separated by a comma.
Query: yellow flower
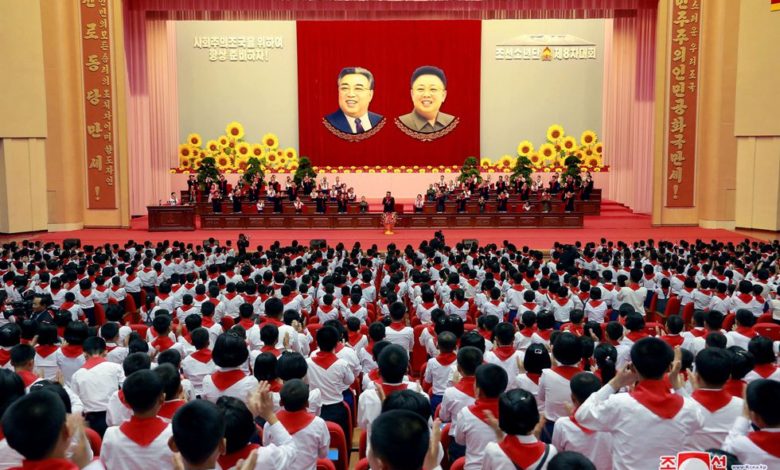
[[485, 162], [283, 161], [546, 151], [593, 162], [588, 138], [223, 162], [243, 149], [396, 170], [234, 130], [196, 163], [270, 140], [599, 148], [358, 171], [422, 170], [569, 144], [535, 159], [525, 148], [347, 171], [554, 132], [257, 151], [383, 170], [507, 161], [194, 140], [224, 141], [290, 153], [185, 151], [212, 146], [371, 170], [185, 163], [435, 170]]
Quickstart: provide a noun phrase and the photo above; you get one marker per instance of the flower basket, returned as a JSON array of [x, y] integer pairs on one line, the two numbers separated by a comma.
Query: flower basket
[[389, 219]]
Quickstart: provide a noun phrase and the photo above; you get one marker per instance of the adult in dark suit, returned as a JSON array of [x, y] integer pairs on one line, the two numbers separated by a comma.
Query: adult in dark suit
[[388, 203], [356, 89]]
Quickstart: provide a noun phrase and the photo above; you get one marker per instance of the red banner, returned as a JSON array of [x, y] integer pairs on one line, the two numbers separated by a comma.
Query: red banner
[[683, 99], [392, 51], [98, 103]]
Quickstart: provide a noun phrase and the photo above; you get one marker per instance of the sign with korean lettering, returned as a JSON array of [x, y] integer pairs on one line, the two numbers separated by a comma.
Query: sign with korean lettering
[[98, 95], [683, 99], [238, 48]]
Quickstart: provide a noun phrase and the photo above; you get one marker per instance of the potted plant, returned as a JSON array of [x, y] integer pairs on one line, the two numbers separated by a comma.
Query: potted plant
[[470, 168], [304, 169], [254, 167], [522, 168], [207, 171]]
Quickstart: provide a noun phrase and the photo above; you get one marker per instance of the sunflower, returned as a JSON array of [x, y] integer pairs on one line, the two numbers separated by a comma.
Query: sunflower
[[547, 151], [234, 130], [185, 151], [224, 141], [270, 140], [212, 146], [435, 170], [524, 148], [569, 144], [194, 140], [448, 170], [223, 162], [371, 170], [485, 162], [282, 161], [588, 153], [507, 161], [185, 163], [536, 160], [588, 138], [257, 151], [242, 162], [290, 153], [243, 149], [554, 132], [195, 163], [594, 162], [599, 148], [397, 170]]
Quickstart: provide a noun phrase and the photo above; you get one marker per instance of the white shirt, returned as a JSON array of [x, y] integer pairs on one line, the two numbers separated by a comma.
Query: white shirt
[[596, 446], [403, 338], [475, 434], [280, 453], [96, 385], [122, 453], [365, 122], [370, 406], [509, 365], [554, 393], [331, 381], [438, 375], [453, 402], [717, 424], [312, 443], [496, 459], [635, 298], [739, 444], [624, 418], [9, 458], [240, 389], [117, 412], [195, 371]]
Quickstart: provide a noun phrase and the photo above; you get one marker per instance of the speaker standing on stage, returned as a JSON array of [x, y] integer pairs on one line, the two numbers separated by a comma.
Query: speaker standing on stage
[[388, 203]]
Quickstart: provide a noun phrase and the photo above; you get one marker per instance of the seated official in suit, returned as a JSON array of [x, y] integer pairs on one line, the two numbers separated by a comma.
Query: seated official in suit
[[429, 90], [356, 89]]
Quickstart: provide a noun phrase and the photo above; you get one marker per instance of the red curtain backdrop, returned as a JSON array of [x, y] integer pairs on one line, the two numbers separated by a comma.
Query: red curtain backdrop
[[391, 50]]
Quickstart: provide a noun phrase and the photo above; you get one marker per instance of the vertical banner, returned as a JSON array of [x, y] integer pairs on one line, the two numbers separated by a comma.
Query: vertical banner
[[775, 5], [683, 99], [98, 103]]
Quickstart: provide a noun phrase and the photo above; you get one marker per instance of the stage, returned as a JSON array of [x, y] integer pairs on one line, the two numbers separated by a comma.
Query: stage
[[615, 223]]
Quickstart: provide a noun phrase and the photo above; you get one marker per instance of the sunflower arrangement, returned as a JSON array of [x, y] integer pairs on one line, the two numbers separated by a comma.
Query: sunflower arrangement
[[554, 154]]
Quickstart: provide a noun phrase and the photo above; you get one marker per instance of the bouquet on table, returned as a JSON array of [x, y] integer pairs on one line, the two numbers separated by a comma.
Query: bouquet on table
[[389, 220]]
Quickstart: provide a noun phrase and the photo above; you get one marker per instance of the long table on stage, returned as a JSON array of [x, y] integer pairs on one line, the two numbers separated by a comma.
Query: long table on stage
[[373, 220], [171, 218]]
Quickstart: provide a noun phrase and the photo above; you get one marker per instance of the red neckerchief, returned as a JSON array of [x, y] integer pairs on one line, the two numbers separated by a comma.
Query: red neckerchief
[[48, 464], [247, 323], [207, 322], [67, 305], [397, 326], [698, 332], [5, 356], [562, 301], [72, 350], [673, 340], [143, 431], [231, 295], [224, 379], [168, 408], [272, 321], [595, 303], [28, 377], [446, 359], [712, 400], [528, 331], [533, 377], [485, 334], [458, 303], [390, 388], [764, 370], [466, 385], [271, 349], [530, 305], [576, 423], [576, 330], [46, 350], [324, 359], [746, 331], [484, 404], [745, 298], [370, 347], [769, 442], [545, 334], [354, 337], [656, 397], [162, 343], [636, 335], [503, 353], [567, 372], [736, 388], [230, 460], [86, 292], [202, 355]]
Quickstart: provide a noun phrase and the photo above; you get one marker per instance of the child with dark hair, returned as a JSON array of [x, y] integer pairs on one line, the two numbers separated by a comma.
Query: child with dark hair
[[199, 364], [239, 431], [545, 322], [527, 328], [172, 387], [309, 431], [439, 369], [70, 357], [471, 427], [398, 333], [568, 460], [504, 353], [666, 421], [142, 440], [23, 361], [399, 440], [554, 383], [95, 382], [743, 332], [763, 412], [741, 364], [569, 435], [230, 355], [45, 351], [535, 361], [118, 409], [355, 339], [764, 360]]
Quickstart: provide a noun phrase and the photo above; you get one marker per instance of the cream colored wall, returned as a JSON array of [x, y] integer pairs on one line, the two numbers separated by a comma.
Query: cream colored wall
[[757, 125]]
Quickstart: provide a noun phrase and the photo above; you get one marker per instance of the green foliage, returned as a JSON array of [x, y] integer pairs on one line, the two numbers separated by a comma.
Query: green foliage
[[253, 167], [470, 168], [573, 167], [304, 168], [522, 168], [207, 169]]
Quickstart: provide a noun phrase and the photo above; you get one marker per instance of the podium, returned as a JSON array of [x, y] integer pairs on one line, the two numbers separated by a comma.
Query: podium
[[171, 218]]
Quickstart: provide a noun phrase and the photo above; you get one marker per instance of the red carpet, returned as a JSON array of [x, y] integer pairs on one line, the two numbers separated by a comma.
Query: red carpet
[[615, 223]]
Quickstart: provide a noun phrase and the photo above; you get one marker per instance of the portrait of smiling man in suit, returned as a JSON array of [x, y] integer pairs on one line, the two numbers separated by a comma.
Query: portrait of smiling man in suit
[[356, 90], [429, 91]]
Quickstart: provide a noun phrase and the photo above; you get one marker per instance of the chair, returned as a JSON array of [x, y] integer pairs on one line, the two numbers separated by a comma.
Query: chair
[[419, 354], [650, 328], [672, 307], [687, 315], [765, 318], [458, 464], [363, 444], [362, 464], [95, 442], [425, 385], [313, 328], [769, 330], [100, 314], [445, 443], [227, 322], [131, 308], [325, 464], [140, 329], [338, 442], [650, 312], [728, 321]]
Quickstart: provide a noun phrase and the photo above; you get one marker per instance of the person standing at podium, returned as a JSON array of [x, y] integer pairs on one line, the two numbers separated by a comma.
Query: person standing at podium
[[236, 196], [320, 201], [388, 203], [192, 188]]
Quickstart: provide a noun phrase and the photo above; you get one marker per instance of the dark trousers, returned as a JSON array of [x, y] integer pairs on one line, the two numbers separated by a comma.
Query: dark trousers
[[456, 450], [547, 432], [337, 413], [96, 421], [90, 314], [435, 401]]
